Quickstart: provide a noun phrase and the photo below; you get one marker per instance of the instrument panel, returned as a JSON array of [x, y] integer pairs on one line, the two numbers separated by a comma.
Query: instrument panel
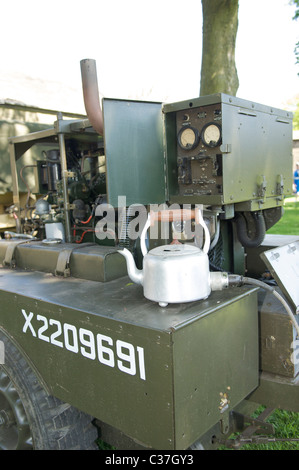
[[199, 159]]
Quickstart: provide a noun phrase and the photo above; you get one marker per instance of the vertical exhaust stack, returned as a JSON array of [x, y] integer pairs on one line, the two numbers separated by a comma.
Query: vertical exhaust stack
[[91, 94]]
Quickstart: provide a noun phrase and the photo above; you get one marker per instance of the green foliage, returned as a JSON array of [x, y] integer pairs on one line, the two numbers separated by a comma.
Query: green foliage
[[296, 3], [296, 50], [295, 17]]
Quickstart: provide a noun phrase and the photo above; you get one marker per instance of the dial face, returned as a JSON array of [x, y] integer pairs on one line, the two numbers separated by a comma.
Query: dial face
[[211, 135], [188, 138]]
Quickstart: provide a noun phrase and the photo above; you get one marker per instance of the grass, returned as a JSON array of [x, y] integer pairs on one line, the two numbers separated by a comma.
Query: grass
[[289, 223], [286, 425]]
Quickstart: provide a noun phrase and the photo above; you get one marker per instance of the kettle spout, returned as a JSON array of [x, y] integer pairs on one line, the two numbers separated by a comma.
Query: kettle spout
[[135, 274]]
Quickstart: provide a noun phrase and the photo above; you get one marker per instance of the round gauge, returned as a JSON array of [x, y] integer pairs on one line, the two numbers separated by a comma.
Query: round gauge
[[188, 138], [211, 135]]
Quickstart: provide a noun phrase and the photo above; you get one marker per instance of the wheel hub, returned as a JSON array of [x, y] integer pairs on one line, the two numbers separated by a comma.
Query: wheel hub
[[6, 418], [15, 431]]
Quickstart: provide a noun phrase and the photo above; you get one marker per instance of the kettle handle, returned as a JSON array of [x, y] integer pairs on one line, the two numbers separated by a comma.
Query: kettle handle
[[206, 230], [171, 215], [142, 236]]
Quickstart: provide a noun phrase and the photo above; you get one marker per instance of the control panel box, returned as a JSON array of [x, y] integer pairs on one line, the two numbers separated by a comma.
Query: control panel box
[[228, 151]]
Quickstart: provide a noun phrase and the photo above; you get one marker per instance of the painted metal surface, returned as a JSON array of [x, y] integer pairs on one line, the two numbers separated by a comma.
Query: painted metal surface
[[250, 165], [87, 261], [134, 150], [283, 263], [108, 351]]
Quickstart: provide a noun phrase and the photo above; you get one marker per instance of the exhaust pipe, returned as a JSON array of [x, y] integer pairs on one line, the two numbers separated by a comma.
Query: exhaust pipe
[[91, 94]]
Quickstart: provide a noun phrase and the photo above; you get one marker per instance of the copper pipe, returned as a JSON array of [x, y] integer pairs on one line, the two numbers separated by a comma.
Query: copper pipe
[[91, 94]]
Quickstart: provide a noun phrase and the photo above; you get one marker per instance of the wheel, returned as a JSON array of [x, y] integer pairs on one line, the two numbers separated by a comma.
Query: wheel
[[32, 419]]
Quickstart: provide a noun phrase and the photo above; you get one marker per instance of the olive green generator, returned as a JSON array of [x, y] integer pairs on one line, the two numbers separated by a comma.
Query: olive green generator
[[143, 304]]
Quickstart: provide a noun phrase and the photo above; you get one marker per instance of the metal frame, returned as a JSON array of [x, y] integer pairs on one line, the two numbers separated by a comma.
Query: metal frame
[[58, 134]]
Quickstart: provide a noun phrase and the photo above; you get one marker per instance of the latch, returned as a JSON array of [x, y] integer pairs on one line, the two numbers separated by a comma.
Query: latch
[[261, 186], [279, 184]]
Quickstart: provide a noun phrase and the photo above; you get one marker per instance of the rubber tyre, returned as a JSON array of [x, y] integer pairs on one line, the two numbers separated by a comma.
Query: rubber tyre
[[32, 419]]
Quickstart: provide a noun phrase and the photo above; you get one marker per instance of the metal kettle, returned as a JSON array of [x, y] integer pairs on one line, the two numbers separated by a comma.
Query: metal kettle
[[172, 273]]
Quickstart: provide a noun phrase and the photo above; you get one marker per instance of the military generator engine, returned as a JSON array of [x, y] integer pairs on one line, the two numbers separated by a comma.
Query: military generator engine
[[141, 295]]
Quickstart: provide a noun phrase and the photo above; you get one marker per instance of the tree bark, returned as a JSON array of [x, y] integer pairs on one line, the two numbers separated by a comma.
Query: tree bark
[[220, 26]]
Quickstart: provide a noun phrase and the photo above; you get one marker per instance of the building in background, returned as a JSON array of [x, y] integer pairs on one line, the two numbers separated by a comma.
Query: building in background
[[28, 105]]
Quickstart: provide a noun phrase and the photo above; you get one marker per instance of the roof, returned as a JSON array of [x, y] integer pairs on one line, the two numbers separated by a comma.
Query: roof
[[36, 92]]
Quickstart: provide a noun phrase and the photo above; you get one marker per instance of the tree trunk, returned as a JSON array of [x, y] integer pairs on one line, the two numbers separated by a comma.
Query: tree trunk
[[218, 68]]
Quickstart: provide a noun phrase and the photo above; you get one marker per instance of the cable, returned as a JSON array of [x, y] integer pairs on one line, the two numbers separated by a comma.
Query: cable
[[236, 280], [260, 228]]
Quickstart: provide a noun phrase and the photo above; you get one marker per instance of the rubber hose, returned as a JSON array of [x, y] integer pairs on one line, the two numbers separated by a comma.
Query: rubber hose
[[236, 280], [242, 233]]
